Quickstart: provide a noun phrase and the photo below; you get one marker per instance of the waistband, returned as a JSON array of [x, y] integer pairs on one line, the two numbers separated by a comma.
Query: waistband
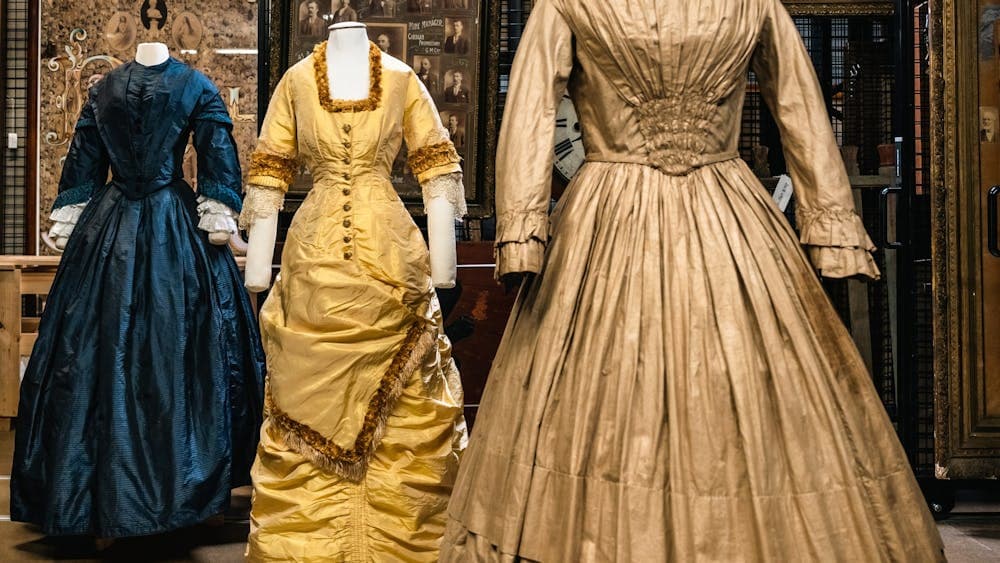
[[690, 164]]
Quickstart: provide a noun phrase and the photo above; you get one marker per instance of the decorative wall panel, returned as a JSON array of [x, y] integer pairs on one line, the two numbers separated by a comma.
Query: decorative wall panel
[[81, 41]]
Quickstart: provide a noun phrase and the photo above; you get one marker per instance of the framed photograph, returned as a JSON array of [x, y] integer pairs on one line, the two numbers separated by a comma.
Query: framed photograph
[[452, 45], [390, 37]]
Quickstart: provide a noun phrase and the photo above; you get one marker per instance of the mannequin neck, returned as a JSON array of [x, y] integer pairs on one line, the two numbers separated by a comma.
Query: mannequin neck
[[347, 61], [347, 40], [151, 54]]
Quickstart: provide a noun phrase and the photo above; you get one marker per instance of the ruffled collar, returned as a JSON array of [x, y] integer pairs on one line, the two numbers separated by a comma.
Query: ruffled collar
[[323, 84]]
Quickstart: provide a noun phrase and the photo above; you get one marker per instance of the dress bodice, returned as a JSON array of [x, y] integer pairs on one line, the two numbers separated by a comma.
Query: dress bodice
[[138, 121], [350, 142]]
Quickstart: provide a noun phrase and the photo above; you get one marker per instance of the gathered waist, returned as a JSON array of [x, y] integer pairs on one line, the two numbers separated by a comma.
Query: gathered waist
[[689, 165]]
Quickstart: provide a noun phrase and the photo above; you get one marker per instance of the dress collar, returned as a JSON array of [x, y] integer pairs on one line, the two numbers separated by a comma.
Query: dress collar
[[323, 83]]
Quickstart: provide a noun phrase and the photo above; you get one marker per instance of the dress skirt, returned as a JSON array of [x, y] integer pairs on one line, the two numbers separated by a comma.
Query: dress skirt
[[141, 403], [345, 322], [676, 386]]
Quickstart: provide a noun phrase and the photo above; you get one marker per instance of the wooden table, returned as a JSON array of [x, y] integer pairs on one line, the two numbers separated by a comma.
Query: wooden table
[[20, 276]]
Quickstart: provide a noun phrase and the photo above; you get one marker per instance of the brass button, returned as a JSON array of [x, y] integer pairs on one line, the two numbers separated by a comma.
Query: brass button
[[347, 239], [347, 144], [347, 256], [347, 160], [347, 207], [347, 222], [347, 176], [347, 191], [347, 128]]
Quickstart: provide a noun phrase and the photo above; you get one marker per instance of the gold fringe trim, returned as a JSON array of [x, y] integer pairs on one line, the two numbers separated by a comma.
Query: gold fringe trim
[[323, 82], [353, 463], [280, 168], [431, 156]]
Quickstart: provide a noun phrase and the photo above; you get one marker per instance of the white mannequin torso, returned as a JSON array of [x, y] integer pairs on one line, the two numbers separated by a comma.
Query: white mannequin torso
[[347, 61], [151, 54]]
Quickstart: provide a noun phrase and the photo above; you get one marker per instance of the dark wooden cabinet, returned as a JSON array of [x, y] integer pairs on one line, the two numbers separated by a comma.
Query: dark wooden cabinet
[[965, 94]]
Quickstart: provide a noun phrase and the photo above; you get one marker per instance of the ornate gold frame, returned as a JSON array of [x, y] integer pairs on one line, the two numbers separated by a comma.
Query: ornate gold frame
[[965, 436], [840, 8]]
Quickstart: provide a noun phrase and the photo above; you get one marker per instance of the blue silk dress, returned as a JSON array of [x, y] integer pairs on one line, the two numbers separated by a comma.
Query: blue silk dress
[[140, 408]]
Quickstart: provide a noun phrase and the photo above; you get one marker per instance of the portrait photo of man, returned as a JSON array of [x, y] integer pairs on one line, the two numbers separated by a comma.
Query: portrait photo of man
[[311, 20], [988, 124], [427, 71], [455, 90], [419, 6], [390, 38], [455, 124], [455, 43], [344, 12], [382, 9], [456, 4]]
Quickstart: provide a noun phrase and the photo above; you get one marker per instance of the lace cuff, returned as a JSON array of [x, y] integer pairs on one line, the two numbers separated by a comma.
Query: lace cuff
[[260, 202], [64, 219], [449, 186], [215, 216], [837, 242]]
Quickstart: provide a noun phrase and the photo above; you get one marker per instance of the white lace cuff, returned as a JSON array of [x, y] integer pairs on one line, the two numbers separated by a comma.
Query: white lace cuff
[[449, 186], [260, 202], [215, 216], [64, 220]]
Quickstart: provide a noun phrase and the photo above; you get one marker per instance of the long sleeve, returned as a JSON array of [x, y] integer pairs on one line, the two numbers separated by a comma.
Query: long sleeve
[[831, 230], [432, 156], [86, 166], [219, 175], [524, 154]]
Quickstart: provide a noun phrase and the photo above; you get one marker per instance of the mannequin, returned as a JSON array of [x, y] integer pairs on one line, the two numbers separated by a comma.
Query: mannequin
[[348, 78], [149, 54]]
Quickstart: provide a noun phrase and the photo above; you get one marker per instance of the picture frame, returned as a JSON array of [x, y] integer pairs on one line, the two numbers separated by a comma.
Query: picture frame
[[454, 37]]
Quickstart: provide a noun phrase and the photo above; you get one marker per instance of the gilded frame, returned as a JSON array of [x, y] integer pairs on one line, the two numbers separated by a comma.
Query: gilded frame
[[840, 7], [276, 36], [967, 440]]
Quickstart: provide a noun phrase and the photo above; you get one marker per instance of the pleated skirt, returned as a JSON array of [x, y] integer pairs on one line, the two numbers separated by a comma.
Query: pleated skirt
[[676, 386]]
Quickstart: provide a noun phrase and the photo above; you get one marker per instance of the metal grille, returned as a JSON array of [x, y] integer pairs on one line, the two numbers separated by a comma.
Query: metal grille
[[921, 89], [853, 61], [922, 456], [14, 45], [513, 16]]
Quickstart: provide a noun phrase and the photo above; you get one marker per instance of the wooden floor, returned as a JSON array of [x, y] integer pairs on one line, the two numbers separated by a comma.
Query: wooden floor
[[971, 534]]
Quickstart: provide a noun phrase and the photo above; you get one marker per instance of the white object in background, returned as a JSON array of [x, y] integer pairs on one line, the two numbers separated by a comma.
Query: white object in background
[[348, 45], [12, 141], [260, 253], [783, 193], [151, 54], [441, 241]]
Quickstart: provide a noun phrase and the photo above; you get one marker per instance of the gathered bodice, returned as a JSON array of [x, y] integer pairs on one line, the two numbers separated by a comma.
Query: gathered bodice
[[662, 82]]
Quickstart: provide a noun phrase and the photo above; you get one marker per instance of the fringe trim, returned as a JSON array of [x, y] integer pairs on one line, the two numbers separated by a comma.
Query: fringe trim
[[277, 167], [353, 464], [374, 83], [431, 156]]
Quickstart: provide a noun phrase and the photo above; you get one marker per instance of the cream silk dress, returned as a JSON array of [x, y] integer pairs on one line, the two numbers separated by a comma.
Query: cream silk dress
[[673, 384], [363, 417]]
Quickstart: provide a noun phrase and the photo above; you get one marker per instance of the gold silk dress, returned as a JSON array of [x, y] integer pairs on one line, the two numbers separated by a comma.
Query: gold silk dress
[[363, 416], [674, 384]]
